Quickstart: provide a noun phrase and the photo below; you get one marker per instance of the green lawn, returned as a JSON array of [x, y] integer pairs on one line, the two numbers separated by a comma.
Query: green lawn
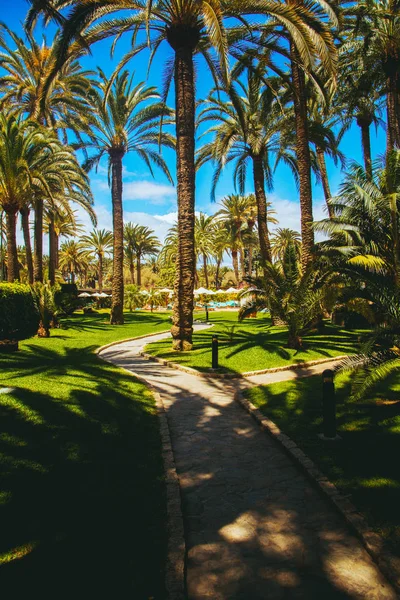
[[254, 345], [82, 494], [365, 464]]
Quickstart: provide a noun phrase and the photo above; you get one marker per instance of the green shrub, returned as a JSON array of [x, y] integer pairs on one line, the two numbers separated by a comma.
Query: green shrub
[[19, 317]]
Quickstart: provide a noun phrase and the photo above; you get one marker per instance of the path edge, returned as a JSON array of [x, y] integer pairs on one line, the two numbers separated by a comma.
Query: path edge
[[372, 541], [176, 543], [213, 375]]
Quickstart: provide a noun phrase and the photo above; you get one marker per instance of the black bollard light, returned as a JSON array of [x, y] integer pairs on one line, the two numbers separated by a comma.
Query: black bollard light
[[328, 404], [214, 352], [206, 309]]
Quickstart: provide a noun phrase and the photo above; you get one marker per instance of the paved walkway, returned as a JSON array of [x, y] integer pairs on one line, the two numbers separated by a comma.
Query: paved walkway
[[255, 527]]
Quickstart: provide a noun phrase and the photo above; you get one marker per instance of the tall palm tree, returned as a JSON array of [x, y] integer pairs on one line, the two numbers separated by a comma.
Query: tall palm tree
[[73, 259], [124, 121], [129, 248], [189, 28], [281, 239], [204, 232], [61, 106], [145, 243], [31, 162], [98, 244], [60, 220], [243, 134]]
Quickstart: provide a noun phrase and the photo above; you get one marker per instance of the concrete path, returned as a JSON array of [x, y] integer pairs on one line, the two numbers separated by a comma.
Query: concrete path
[[255, 527]]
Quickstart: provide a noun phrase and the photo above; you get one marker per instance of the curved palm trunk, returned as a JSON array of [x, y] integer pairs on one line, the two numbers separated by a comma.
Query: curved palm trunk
[[38, 241], [117, 304], [138, 266], [56, 249], [303, 157], [182, 328], [217, 268], [12, 255], [235, 264], [324, 178], [242, 266], [205, 269], [52, 251], [100, 273], [27, 241], [259, 189]]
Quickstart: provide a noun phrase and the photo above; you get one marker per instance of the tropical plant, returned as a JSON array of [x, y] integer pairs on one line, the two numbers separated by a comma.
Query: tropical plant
[[204, 233], [124, 121], [43, 295], [73, 259], [281, 239], [145, 243], [98, 244], [132, 297]]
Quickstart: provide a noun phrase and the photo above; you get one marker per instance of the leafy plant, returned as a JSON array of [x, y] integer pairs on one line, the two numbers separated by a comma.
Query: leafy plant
[[43, 295], [19, 317]]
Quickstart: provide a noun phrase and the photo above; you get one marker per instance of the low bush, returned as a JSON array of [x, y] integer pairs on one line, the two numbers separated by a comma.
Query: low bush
[[66, 299], [19, 317]]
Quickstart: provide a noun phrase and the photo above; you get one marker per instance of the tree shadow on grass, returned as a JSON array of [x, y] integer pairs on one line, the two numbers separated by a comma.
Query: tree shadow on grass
[[83, 505], [364, 464]]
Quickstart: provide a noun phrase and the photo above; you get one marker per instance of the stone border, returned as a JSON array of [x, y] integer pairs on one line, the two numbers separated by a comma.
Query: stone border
[[191, 371], [176, 545], [139, 337], [372, 542]]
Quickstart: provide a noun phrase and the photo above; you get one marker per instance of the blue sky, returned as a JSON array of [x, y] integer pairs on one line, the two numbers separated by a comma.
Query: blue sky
[[152, 202]]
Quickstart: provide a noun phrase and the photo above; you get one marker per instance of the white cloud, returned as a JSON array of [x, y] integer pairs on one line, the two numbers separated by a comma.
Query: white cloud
[[151, 192]]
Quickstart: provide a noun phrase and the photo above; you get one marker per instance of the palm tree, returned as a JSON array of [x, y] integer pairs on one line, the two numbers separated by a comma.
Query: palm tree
[[73, 259], [281, 239], [204, 233], [28, 155], [233, 217], [145, 244], [98, 243], [61, 221], [188, 28], [129, 249], [244, 133], [62, 106], [123, 121]]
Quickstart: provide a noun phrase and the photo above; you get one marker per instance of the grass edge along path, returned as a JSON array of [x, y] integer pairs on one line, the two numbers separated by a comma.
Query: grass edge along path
[[363, 465], [254, 345], [82, 497]]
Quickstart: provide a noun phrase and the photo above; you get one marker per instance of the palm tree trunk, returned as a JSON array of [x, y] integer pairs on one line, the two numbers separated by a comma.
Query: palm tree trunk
[[182, 317], [250, 259], [241, 262], [27, 241], [56, 248], [117, 303], [12, 255], [217, 268], [52, 251], [138, 266], [393, 112], [132, 272], [100, 273], [324, 178], [259, 189], [205, 269], [235, 264], [303, 156], [364, 125], [38, 241]]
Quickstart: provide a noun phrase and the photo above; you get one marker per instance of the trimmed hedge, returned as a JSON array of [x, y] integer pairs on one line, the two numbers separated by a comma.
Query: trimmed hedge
[[19, 317], [66, 298]]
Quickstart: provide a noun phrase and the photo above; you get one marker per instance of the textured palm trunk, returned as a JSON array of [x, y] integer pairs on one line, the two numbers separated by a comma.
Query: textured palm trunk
[[138, 267], [12, 255], [217, 268], [393, 111], [52, 251], [364, 126], [303, 157], [182, 328], [38, 241], [235, 264], [100, 274], [27, 241], [250, 260], [205, 269], [132, 272], [242, 265], [259, 189], [117, 303], [324, 178], [57, 249]]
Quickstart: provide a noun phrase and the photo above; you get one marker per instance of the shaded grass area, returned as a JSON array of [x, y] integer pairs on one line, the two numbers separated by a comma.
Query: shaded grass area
[[254, 345], [82, 496], [365, 464]]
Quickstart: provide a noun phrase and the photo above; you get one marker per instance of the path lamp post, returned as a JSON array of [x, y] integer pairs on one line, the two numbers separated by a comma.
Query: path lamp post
[[206, 309], [214, 352]]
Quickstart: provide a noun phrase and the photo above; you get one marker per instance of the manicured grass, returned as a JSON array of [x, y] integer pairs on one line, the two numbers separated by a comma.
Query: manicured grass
[[254, 345], [365, 464], [82, 496]]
